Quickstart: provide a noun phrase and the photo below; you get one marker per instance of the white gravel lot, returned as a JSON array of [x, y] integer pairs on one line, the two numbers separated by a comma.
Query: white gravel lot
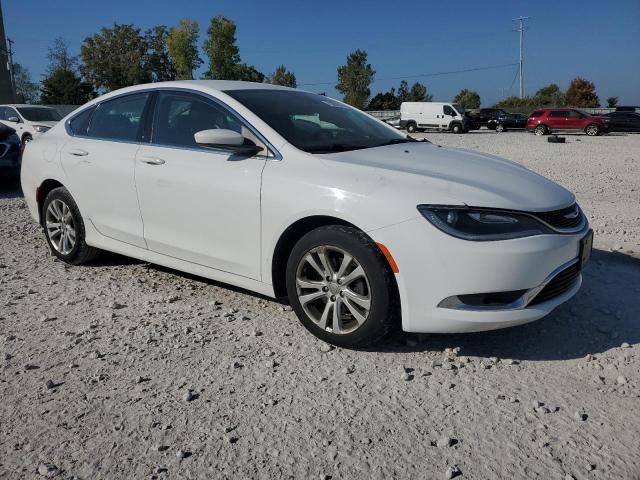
[[123, 369]]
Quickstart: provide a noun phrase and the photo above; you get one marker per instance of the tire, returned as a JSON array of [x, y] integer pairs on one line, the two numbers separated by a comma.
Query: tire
[[500, 128], [26, 138], [59, 205], [456, 128], [540, 130], [325, 294], [592, 130], [412, 127]]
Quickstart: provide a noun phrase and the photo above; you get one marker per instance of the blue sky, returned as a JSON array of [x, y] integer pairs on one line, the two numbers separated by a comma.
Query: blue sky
[[598, 40]]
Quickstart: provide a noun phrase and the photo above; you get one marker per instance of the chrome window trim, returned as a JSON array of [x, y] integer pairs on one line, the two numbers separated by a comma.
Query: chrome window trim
[[275, 154], [454, 303]]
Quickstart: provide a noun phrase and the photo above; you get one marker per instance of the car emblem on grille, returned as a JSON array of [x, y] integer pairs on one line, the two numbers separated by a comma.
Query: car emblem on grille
[[572, 215]]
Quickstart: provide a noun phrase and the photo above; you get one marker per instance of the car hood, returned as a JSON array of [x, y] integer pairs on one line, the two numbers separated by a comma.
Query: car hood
[[440, 175], [49, 123]]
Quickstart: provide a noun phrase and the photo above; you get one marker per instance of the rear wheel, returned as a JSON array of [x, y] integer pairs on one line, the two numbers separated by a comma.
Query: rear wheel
[[540, 130], [412, 127], [64, 228], [592, 130], [341, 287]]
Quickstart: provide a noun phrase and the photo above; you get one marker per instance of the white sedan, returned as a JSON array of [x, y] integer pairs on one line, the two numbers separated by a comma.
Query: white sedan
[[292, 194]]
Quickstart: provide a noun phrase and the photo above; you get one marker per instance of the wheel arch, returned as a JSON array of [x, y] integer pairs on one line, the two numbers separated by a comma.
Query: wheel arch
[[41, 193]]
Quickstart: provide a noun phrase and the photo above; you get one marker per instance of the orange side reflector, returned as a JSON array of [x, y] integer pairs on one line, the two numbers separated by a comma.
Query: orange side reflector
[[387, 254]]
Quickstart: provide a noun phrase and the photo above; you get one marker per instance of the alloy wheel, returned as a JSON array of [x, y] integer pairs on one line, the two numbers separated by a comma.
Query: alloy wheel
[[592, 130], [333, 289], [60, 226]]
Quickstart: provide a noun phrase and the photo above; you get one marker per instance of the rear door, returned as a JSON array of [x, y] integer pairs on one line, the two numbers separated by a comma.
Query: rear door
[[99, 162], [557, 119], [200, 204]]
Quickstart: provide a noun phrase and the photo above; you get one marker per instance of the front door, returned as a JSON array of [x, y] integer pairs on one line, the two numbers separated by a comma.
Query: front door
[[199, 204], [99, 163]]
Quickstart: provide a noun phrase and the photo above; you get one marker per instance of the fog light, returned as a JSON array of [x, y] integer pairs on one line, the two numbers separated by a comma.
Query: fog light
[[452, 217]]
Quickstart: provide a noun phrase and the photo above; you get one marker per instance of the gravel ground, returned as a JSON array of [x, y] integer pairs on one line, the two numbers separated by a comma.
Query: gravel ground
[[123, 369]]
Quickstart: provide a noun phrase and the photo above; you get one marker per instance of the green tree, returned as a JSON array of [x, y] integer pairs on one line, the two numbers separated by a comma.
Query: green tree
[[582, 93], [182, 43], [115, 57], [220, 47], [247, 73], [468, 99], [26, 88], [404, 95], [283, 77], [612, 102], [158, 61], [517, 104], [549, 96], [418, 93], [385, 101], [62, 85], [354, 79]]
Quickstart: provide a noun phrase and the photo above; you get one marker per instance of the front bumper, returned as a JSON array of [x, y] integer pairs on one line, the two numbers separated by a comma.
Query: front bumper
[[434, 266]]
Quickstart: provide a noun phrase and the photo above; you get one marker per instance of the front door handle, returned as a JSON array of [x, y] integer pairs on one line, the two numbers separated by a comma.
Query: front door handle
[[78, 152], [152, 160]]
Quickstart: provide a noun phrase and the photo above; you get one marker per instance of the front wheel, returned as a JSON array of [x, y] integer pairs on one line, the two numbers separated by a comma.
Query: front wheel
[[341, 286], [500, 128], [64, 228], [27, 138], [540, 130], [456, 128], [592, 130], [411, 127]]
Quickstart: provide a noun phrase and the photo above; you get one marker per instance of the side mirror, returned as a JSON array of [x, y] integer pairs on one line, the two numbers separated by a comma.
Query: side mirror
[[228, 140], [13, 119]]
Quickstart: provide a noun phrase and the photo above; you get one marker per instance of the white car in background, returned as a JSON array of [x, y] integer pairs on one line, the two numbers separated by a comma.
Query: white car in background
[[293, 194], [29, 121]]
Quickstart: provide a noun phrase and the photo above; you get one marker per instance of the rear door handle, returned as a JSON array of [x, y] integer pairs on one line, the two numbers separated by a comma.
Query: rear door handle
[[152, 160], [78, 152]]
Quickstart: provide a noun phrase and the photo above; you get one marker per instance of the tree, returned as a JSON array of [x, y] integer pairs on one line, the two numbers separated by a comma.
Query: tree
[[582, 93], [220, 47], [403, 92], [182, 43], [354, 79], [115, 57], [517, 104], [247, 73], [468, 99], [283, 77], [62, 85], [26, 88], [550, 96], [385, 101], [157, 59], [418, 93], [612, 102]]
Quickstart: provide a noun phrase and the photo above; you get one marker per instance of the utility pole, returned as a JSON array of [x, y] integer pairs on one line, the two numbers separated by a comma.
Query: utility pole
[[13, 79], [520, 21]]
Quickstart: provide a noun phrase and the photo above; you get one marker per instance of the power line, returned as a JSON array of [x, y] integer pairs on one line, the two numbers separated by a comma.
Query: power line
[[520, 21], [422, 75]]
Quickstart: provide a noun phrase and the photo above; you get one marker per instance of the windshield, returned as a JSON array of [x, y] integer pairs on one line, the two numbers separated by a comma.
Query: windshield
[[39, 114], [315, 123], [459, 108]]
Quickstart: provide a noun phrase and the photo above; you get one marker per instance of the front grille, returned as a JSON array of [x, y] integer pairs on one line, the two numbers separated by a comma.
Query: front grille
[[561, 219], [559, 285]]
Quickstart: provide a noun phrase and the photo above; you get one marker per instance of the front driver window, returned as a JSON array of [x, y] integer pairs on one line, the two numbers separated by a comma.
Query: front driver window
[[448, 110], [181, 115]]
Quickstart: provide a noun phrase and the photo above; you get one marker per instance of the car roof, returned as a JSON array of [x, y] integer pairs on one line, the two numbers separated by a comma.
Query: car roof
[[23, 105]]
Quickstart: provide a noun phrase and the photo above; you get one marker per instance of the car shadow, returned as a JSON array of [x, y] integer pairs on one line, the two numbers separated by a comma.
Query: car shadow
[[10, 187], [602, 316]]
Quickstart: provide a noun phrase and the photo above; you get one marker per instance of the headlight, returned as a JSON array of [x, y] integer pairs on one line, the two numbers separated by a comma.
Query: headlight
[[41, 128], [481, 224]]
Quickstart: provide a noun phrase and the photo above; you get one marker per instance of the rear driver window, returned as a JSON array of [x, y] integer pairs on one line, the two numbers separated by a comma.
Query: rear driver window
[[119, 119]]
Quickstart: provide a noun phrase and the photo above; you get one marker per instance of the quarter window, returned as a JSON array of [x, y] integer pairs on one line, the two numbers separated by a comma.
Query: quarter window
[[80, 122], [119, 119]]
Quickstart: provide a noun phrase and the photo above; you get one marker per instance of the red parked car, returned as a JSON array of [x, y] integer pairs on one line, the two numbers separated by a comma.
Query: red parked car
[[548, 120]]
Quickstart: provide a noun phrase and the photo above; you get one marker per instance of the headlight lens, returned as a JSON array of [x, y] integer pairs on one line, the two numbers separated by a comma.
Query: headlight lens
[[479, 224], [41, 128]]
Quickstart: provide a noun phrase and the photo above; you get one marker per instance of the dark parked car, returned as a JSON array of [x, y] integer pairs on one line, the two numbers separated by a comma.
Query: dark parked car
[[9, 152], [486, 117], [624, 121], [548, 120], [510, 121], [628, 108]]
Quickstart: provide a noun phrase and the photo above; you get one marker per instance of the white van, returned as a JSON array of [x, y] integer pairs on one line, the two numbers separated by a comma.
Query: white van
[[433, 116]]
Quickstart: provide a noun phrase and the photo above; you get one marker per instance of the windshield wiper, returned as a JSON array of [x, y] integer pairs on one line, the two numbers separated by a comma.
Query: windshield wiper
[[396, 141], [335, 147]]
